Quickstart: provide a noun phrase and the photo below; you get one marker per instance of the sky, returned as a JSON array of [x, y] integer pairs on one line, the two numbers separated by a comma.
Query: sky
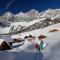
[[16, 6]]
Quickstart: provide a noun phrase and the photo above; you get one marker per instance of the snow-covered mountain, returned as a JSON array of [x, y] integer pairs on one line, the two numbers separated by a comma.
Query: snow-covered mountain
[[29, 21], [31, 15], [51, 13]]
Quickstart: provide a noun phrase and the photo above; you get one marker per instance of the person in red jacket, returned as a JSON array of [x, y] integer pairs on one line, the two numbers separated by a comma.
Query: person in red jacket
[[36, 46]]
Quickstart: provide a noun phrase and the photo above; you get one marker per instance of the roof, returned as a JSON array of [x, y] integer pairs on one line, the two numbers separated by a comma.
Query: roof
[[31, 36], [1, 40]]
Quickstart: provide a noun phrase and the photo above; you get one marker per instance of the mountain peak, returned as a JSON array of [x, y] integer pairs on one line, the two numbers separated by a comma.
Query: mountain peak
[[32, 10]]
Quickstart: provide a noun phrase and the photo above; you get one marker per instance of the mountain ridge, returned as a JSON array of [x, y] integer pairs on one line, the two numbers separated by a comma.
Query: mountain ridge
[[29, 21]]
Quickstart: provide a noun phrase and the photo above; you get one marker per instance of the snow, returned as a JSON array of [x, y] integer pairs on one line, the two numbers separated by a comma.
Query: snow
[[57, 16], [26, 52], [50, 13], [4, 30], [6, 38], [17, 43], [44, 31], [38, 32], [8, 14], [15, 36], [1, 40], [15, 25], [27, 23]]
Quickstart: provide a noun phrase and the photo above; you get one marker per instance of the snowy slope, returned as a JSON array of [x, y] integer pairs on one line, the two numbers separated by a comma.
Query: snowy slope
[[25, 52], [44, 31], [4, 30]]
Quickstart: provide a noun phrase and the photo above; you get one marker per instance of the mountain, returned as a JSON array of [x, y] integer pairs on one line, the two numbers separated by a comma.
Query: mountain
[[30, 15], [6, 18], [28, 21], [41, 24], [51, 13]]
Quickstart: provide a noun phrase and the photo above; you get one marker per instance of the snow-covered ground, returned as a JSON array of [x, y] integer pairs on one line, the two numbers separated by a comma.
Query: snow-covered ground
[[24, 52]]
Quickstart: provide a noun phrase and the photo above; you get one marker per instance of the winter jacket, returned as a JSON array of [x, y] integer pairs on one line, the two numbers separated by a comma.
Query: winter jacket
[[41, 45], [36, 46]]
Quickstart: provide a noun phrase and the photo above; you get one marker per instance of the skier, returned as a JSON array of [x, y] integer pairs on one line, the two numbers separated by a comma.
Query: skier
[[41, 45], [36, 46]]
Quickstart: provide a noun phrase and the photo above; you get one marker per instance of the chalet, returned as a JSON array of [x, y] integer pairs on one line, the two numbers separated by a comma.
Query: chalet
[[4, 45], [41, 36], [30, 38]]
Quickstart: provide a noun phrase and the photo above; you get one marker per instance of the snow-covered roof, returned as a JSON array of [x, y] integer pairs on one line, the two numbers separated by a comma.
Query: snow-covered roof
[[7, 38], [1, 40]]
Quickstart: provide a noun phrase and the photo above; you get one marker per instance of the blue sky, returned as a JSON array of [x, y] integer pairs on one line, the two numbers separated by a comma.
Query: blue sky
[[15, 6]]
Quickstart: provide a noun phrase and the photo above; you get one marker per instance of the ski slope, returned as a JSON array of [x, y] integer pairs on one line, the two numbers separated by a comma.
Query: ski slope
[[24, 52], [38, 32]]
